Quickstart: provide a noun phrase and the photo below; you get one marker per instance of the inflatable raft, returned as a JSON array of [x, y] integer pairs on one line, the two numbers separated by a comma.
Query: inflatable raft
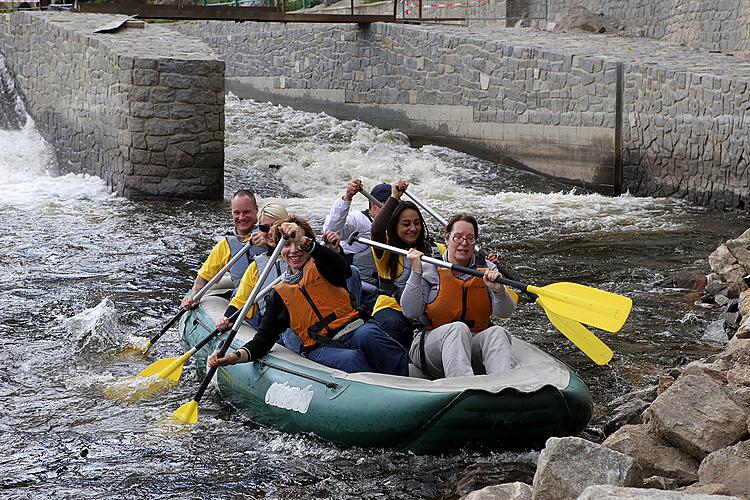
[[538, 399]]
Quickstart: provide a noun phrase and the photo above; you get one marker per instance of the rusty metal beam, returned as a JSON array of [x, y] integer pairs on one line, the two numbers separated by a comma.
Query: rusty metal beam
[[224, 13]]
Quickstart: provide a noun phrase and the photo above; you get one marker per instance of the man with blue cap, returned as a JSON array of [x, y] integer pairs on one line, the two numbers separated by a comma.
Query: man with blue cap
[[344, 222]]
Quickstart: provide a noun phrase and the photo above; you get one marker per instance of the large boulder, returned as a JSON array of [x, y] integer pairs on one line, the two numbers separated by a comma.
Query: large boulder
[[568, 465], [507, 491], [619, 493], [730, 467], [655, 456], [698, 415]]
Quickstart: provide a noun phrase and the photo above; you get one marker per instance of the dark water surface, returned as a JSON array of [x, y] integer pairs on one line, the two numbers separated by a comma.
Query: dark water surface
[[82, 271]]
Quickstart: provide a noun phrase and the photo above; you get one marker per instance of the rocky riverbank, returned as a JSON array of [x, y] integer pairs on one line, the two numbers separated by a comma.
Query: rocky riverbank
[[687, 436]]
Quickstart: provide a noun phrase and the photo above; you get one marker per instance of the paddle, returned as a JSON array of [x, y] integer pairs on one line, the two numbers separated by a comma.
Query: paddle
[[581, 336], [188, 413], [569, 301], [198, 296], [167, 369]]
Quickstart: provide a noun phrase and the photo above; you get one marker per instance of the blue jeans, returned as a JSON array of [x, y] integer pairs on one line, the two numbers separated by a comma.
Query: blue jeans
[[395, 324], [291, 340], [354, 285], [366, 349]]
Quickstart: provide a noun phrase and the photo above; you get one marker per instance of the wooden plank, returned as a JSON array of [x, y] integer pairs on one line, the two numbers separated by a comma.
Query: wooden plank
[[113, 26]]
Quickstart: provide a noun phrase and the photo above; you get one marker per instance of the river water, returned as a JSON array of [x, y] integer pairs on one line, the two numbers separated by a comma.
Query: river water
[[82, 271]]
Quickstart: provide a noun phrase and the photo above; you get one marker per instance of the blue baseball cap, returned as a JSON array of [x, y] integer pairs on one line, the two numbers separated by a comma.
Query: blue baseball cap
[[381, 192]]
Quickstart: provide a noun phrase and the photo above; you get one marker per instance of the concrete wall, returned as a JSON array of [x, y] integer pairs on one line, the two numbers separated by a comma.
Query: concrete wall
[[141, 108], [548, 111], [719, 25]]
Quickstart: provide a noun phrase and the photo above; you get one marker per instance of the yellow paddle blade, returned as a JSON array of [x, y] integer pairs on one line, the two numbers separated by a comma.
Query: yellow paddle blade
[[604, 310], [186, 414], [167, 368], [581, 337], [132, 389]]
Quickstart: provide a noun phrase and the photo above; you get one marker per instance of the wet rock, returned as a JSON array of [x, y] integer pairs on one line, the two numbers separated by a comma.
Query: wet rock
[[568, 465], [660, 483], [627, 413], [655, 456], [478, 476], [736, 288], [619, 493], [646, 394], [721, 300], [715, 288], [698, 415], [508, 491], [715, 332], [730, 467], [684, 280]]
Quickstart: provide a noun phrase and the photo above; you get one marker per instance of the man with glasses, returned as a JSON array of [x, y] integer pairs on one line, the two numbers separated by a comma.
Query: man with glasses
[[244, 217]]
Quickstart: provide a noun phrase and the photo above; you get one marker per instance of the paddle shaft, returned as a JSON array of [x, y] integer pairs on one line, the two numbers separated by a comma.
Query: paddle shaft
[[427, 209], [242, 314], [440, 263], [370, 197], [202, 291]]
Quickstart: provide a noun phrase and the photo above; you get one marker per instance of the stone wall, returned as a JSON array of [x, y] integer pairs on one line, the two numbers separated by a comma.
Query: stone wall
[[534, 107], [719, 25], [141, 108]]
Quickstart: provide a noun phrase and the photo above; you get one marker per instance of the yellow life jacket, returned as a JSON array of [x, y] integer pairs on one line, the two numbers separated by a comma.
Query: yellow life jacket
[[458, 300], [316, 307]]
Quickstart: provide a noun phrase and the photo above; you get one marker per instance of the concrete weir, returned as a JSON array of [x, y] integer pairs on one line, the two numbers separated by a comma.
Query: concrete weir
[[143, 108]]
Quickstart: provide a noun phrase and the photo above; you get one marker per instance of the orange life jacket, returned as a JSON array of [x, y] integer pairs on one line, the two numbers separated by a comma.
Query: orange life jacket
[[316, 307], [458, 300]]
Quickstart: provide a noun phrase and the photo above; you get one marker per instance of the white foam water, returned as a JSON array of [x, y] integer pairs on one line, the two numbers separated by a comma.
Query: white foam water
[[315, 155], [27, 173]]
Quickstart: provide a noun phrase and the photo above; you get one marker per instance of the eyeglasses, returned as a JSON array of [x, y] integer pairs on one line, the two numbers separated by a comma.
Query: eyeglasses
[[264, 228], [458, 238]]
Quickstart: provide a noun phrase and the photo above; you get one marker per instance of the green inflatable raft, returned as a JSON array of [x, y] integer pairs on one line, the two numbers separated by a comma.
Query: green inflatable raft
[[539, 399]]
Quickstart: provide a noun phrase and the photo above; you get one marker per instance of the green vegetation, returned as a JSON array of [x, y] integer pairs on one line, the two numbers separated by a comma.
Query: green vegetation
[[299, 4]]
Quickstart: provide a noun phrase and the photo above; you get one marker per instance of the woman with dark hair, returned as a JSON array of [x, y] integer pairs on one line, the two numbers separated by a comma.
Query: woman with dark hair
[[454, 309], [399, 224], [313, 301]]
